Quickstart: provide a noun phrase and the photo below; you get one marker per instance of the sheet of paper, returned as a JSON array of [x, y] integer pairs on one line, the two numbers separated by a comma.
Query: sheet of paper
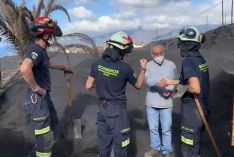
[[180, 91]]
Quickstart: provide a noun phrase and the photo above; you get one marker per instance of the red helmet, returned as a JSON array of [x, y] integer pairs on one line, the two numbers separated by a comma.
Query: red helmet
[[45, 25]]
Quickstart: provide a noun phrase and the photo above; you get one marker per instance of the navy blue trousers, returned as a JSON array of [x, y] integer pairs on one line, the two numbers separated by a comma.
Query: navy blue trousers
[[191, 129], [113, 130], [42, 116]]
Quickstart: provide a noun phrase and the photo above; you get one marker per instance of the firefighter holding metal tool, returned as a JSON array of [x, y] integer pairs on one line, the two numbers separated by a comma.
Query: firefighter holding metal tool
[[195, 74], [110, 75], [39, 108]]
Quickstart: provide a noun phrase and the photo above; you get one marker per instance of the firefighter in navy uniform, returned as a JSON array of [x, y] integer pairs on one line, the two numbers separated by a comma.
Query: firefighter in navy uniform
[[195, 74], [39, 108], [110, 76]]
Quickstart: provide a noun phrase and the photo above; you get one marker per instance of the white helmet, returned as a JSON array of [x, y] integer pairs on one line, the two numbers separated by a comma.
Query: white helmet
[[191, 34]]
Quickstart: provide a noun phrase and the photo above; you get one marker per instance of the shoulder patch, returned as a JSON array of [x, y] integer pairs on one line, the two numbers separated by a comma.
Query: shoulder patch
[[34, 55], [203, 67]]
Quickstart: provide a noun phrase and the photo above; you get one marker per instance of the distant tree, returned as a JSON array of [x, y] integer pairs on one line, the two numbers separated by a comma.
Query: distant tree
[[14, 23]]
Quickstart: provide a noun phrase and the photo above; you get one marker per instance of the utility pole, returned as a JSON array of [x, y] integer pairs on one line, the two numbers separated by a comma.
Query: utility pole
[[222, 14], [232, 13], [225, 19]]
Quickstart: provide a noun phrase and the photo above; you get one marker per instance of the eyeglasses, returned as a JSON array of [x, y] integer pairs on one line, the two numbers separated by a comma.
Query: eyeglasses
[[188, 32]]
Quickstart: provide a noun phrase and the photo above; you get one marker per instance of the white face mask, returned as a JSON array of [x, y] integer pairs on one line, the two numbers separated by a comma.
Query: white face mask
[[159, 60]]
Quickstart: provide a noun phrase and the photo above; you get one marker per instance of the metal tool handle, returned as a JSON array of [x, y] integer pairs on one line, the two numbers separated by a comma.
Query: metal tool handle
[[207, 126], [232, 141], [69, 94], [68, 75]]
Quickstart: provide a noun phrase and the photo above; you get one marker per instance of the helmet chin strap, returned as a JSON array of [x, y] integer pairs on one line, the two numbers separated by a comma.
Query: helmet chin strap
[[122, 55], [126, 51], [46, 41]]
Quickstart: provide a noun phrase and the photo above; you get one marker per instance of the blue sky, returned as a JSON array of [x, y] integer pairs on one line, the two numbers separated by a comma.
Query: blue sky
[[142, 17], [106, 16]]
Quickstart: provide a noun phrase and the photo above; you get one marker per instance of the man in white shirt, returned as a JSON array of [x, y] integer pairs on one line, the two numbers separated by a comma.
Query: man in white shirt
[[159, 102]]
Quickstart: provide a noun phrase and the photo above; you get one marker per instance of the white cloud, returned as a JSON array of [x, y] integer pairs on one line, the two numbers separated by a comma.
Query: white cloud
[[83, 1], [104, 24], [143, 4], [137, 3], [162, 21], [81, 13], [148, 19], [125, 15], [147, 15]]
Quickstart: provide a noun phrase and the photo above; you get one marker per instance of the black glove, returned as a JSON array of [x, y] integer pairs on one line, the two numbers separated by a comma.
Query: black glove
[[67, 70], [161, 91], [157, 89]]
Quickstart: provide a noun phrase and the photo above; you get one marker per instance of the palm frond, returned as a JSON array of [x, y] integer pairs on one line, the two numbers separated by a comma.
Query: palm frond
[[61, 8], [9, 11], [11, 3], [39, 8], [34, 11], [86, 48], [23, 4], [85, 37], [6, 32], [48, 7], [23, 30], [57, 44], [27, 13], [70, 48]]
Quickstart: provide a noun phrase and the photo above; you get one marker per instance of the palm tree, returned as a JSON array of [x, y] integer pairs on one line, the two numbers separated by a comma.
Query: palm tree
[[14, 23]]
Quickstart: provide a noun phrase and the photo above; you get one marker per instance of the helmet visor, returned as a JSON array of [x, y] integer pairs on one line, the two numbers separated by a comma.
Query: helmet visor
[[188, 33]]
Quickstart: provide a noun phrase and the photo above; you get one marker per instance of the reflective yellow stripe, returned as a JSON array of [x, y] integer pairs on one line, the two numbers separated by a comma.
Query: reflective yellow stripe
[[186, 140], [41, 118], [42, 131], [42, 154], [126, 142], [125, 130], [188, 129], [203, 67]]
